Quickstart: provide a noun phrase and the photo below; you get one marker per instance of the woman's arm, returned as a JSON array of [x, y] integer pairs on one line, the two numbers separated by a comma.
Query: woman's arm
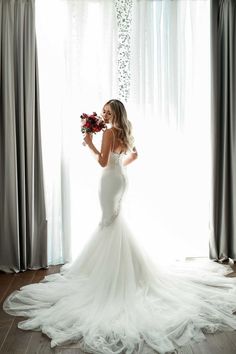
[[103, 156], [132, 156]]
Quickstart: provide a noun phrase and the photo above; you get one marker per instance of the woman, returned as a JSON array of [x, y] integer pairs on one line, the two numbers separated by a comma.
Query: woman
[[116, 142], [113, 298]]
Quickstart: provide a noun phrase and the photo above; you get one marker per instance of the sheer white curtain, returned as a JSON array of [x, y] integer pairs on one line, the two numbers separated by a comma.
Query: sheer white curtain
[[170, 101], [165, 77], [77, 56]]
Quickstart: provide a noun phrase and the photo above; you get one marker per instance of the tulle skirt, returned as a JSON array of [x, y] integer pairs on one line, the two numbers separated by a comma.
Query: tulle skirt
[[113, 299]]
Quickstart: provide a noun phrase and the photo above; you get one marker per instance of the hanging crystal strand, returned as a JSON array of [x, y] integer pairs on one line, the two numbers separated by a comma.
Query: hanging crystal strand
[[124, 22]]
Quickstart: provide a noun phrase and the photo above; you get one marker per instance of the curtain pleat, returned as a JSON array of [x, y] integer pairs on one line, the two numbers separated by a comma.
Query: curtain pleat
[[223, 32], [23, 226]]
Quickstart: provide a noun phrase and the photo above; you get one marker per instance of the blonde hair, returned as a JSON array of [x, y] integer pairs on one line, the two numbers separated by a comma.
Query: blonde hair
[[121, 123]]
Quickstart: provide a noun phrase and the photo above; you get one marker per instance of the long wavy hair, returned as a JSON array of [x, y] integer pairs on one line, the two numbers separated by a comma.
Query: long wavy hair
[[121, 123]]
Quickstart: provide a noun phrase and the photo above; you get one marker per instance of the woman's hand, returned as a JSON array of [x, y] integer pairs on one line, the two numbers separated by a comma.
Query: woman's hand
[[132, 156], [88, 138]]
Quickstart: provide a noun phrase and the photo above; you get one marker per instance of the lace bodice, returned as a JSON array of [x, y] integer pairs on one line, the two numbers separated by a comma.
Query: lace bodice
[[115, 160]]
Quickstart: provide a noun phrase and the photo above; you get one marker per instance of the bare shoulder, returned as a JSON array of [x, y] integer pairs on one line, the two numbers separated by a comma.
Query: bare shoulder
[[107, 136], [108, 132]]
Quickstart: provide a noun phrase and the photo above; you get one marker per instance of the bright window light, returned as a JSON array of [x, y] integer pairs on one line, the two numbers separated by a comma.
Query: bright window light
[[167, 204]]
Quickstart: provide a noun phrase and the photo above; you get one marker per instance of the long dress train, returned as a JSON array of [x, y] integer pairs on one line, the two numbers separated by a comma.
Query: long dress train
[[113, 298]]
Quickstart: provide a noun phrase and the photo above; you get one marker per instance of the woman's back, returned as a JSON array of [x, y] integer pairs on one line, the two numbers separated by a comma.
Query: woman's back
[[117, 146]]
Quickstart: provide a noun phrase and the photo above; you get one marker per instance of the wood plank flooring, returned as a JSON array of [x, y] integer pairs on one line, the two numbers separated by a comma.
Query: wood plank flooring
[[16, 341]]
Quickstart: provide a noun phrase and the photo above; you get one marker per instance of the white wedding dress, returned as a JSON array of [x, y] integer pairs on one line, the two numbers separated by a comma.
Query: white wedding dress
[[114, 299]]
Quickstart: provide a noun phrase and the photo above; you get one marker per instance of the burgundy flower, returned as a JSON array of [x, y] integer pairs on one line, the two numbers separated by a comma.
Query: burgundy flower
[[92, 123]]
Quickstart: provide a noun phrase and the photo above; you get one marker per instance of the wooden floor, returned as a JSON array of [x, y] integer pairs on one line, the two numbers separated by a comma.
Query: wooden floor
[[14, 340]]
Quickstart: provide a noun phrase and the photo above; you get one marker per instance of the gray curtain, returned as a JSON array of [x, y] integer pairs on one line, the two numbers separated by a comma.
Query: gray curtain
[[223, 34], [23, 227]]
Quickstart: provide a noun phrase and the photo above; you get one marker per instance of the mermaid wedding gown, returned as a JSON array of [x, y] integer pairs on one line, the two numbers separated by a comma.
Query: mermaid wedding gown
[[113, 298]]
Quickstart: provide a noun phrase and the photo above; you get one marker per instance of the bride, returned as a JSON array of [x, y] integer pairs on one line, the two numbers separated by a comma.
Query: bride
[[113, 298]]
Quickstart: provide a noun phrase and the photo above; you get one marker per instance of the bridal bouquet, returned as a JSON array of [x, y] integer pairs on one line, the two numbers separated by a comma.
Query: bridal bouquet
[[92, 123]]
